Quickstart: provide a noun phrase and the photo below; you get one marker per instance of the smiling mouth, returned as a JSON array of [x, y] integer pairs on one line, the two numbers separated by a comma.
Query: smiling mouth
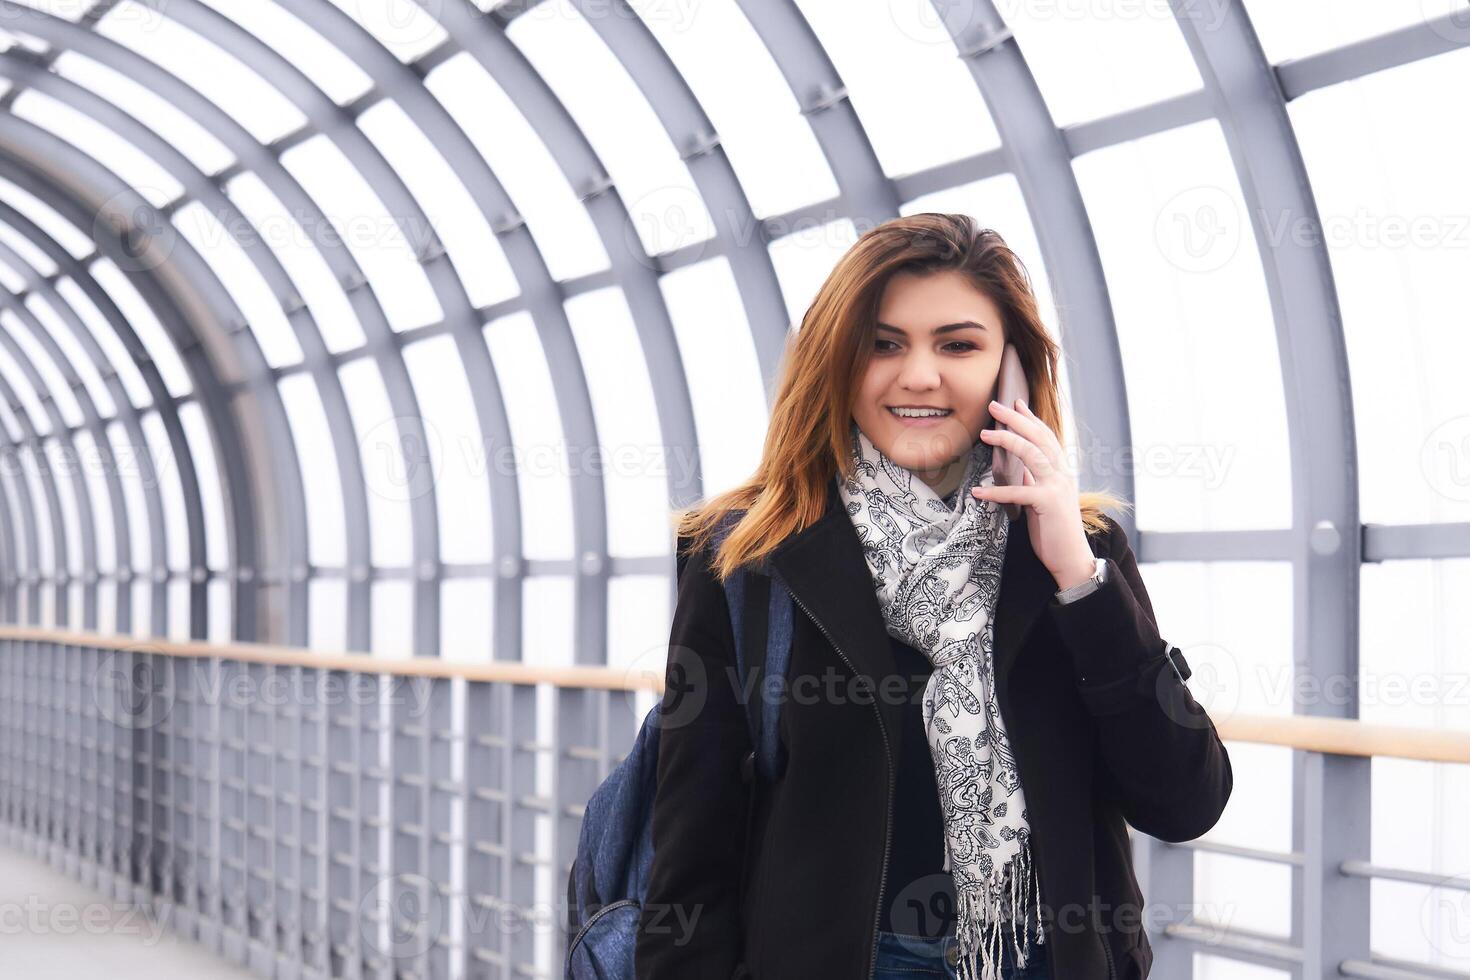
[[927, 414]]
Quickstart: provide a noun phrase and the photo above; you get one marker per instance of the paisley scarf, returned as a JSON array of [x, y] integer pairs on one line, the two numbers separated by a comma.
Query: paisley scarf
[[937, 571]]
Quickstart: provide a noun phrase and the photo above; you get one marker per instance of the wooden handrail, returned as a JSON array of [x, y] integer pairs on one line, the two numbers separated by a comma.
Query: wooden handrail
[[508, 671], [1333, 736]]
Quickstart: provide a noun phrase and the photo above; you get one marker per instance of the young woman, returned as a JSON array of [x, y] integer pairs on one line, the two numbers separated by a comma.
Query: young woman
[[976, 708]]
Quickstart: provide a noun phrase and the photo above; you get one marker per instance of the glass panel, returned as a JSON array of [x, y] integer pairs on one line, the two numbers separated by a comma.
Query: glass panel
[[393, 619], [117, 355], [141, 594], [106, 608], [21, 385], [327, 615], [1389, 180], [326, 527], [453, 214], [1089, 66], [1305, 27], [166, 470], [180, 129], [634, 461], [916, 99], [201, 450], [40, 515], [11, 279], [68, 481], [10, 477], [242, 280], [72, 10], [139, 315], [381, 446], [221, 611], [547, 630], [12, 426], [138, 169], [358, 219], [75, 605], [1236, 893], [130, 475], [558, 221], [330, 309], [805, 259], [1415, 642], [93, 476], [457, 450], [770, 144], [466, 619], [78, 243], [539, 451], [652, 180], [178, 610], [323, 62], [725, 383], [80, 362], [405, 29], [638, 617], [1195, 328], [203, 65], [37, 261], [56, 385]]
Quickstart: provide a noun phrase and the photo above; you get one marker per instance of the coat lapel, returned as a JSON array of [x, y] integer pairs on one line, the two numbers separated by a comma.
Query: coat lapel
[[823, 567]]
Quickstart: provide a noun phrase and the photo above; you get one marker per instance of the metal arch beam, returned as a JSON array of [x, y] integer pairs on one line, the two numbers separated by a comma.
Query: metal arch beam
[[331, 120], [544, 301], [61, 432], [483, 39], [221, 326], [95, 424], [128, 415], [1327, 538], [1037, 153], [30, 438], [201, 188], [10, 575], [265, 163], [739, 236], [84, 191], [867, 194], [31, 578]]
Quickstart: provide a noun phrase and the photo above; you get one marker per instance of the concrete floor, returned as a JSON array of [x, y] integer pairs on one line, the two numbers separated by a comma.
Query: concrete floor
[[54, 928]]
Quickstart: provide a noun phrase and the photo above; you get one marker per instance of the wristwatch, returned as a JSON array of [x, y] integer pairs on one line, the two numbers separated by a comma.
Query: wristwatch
[[1099, 576]]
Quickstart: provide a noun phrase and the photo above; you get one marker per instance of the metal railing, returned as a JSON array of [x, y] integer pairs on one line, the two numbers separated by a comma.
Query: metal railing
[[314, 815]]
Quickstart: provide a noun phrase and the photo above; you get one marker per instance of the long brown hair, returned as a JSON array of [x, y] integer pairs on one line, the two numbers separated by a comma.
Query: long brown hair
[[808, 440]]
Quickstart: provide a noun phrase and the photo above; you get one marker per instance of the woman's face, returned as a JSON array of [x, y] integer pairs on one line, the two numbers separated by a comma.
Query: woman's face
[[938, 345]]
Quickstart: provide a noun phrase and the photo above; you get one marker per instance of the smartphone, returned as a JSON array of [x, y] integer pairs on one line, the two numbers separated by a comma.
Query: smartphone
[[1010, 384]]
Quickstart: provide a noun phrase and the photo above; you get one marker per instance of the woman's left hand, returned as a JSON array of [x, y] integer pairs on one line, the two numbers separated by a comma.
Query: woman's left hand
[[1049, 493]]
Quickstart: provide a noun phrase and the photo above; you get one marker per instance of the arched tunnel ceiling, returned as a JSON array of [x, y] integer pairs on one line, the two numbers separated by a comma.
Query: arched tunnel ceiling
[[330, 323]]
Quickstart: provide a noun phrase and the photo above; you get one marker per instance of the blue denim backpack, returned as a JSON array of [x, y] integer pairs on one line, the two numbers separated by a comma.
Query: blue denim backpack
[[609, 876]]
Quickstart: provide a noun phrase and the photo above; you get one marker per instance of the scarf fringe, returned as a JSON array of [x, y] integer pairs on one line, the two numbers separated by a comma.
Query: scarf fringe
[[984, 920]]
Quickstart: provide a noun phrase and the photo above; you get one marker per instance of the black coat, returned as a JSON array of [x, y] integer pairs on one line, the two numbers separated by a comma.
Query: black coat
[[1103, 729]]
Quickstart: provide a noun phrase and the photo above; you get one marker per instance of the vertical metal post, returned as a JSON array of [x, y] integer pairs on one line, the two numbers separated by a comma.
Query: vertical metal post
[[343, 812], [443, 837]]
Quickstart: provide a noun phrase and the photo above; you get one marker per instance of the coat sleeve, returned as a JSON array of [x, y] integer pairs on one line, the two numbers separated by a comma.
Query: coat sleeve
[[1162, 760], [689, 926]]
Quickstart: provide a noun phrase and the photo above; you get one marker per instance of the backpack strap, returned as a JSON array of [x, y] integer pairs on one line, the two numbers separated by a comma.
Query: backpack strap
[[761, 623]]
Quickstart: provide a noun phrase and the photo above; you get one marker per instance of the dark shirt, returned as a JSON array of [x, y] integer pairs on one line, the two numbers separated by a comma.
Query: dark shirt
[[918, 895]]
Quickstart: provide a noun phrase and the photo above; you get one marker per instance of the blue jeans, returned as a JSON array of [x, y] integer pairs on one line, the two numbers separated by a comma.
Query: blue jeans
[[905, 957]]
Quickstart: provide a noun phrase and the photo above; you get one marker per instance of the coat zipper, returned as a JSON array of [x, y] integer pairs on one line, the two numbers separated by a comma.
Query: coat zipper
[[888, 814]]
